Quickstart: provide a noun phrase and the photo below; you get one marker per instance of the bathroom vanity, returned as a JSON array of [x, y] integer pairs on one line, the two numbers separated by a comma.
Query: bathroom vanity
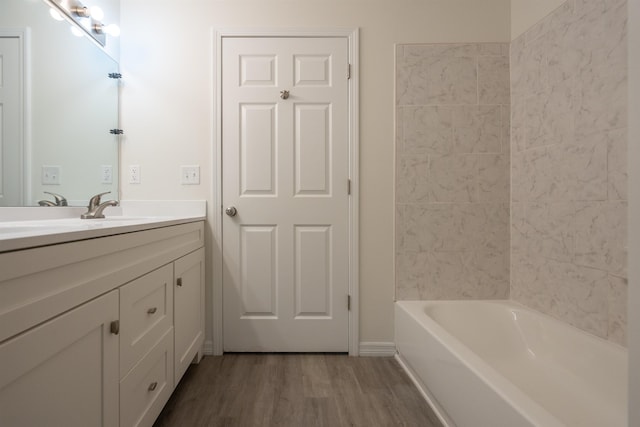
[[98, 325]]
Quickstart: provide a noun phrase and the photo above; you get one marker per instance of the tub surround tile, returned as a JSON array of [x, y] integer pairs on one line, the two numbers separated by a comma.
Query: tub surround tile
[[413, 179], [548, 230], [505, 129], [617, 331], [569, 168], [477, 129], [452, 227], [465, 275], [427, 129], [602, 99], [453, 178], [453, 113], [549, 117], [559, 18], [617, 167], [601, 236], [493, 80], [493, 178], [399, 228], [579, 295], [451, 80]]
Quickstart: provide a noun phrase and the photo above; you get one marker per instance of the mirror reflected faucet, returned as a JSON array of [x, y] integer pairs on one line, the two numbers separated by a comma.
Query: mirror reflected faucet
[[59, 200]]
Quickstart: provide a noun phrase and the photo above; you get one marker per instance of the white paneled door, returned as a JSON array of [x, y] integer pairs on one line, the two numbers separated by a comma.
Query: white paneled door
[[285, 178], [11, 102]]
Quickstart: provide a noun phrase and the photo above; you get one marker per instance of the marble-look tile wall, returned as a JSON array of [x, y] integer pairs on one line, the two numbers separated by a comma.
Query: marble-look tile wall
[[568, 166], [452, 171]]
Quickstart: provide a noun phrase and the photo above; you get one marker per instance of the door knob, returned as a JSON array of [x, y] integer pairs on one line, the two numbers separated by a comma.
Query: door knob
[[231, 211], [284, 94]]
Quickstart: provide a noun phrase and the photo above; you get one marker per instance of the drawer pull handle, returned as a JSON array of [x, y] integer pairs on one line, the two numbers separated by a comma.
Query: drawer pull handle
[[179, 281], [152, 310], [115, 327], [153, 386]]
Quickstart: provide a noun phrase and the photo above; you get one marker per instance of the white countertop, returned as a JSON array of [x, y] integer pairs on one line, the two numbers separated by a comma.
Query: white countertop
[[53, 225]]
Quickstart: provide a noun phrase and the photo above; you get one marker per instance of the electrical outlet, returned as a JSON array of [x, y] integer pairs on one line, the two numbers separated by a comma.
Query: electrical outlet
[[106, 174], [134, 174], [190, 175], [50, 175]]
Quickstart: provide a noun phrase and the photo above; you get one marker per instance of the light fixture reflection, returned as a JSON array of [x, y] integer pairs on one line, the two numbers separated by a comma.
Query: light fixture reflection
[[96, 13], [55, 14], [76, 31]]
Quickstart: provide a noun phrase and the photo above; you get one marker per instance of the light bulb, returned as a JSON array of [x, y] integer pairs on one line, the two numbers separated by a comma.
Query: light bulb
[[96, 13], [55, 14], [76, 31], [111, 29]]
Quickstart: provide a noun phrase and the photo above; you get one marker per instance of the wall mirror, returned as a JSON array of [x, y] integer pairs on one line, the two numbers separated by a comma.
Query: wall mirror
[[58, 106]]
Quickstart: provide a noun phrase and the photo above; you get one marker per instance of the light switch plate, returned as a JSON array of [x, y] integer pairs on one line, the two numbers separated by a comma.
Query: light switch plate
[[190, 175], [50, 175]]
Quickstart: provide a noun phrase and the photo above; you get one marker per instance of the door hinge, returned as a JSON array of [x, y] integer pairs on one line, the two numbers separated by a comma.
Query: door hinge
[[114, 327], [349, 187], [348, 71], [348, 302]]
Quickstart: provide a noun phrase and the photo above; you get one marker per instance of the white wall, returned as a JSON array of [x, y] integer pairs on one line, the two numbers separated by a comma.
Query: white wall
[[166, 58], [525, 13]]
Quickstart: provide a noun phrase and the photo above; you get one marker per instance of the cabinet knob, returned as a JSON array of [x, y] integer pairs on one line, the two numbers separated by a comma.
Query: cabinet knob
[[153, 386], [179, 281], [152, 310], [115, 327]]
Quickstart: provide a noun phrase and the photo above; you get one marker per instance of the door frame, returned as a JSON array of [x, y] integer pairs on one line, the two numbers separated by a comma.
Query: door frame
[[351, 35], [24, 43]]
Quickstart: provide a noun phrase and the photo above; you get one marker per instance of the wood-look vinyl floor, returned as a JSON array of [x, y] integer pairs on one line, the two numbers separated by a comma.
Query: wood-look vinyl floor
[[297, 390]]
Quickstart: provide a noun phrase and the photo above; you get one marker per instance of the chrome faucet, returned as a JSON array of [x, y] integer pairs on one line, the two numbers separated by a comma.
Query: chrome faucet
[[95, 208], [59, 200]]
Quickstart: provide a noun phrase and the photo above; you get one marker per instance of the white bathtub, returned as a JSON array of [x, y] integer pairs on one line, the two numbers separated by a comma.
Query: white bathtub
[[497, 363]]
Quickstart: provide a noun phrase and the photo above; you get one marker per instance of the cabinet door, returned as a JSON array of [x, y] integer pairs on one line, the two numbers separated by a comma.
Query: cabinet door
[[188, 310], [65, 371]]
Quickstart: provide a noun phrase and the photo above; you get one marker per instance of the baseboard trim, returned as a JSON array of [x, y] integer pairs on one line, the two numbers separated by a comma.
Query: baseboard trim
[[377, 349]]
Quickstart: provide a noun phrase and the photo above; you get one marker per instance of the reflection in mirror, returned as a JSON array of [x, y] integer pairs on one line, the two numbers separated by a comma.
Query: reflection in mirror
[[58, 105]]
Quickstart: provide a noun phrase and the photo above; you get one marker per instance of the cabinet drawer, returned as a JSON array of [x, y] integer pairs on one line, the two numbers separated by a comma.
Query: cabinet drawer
[[146, 314], [146, 389]]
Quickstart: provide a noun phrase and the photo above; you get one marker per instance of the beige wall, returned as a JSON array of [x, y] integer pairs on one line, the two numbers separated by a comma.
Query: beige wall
[[569, 167], [452, 171], [525, 13], [634, 212], [167, 101]]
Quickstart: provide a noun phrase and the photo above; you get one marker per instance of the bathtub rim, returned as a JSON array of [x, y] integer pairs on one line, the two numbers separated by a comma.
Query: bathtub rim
[[530, 410]]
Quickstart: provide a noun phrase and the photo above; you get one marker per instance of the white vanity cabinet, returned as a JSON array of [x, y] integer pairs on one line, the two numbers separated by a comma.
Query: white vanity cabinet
[[63, 372], [146, 346], [189, 310], [98, 332]]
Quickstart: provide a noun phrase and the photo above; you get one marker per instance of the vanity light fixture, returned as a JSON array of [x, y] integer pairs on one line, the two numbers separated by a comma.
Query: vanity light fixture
[[87, 12], [86, 20], [111, 29]]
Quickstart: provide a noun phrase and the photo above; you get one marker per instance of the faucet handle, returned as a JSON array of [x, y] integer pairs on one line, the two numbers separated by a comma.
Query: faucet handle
[[95, 200], [60, 200]]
